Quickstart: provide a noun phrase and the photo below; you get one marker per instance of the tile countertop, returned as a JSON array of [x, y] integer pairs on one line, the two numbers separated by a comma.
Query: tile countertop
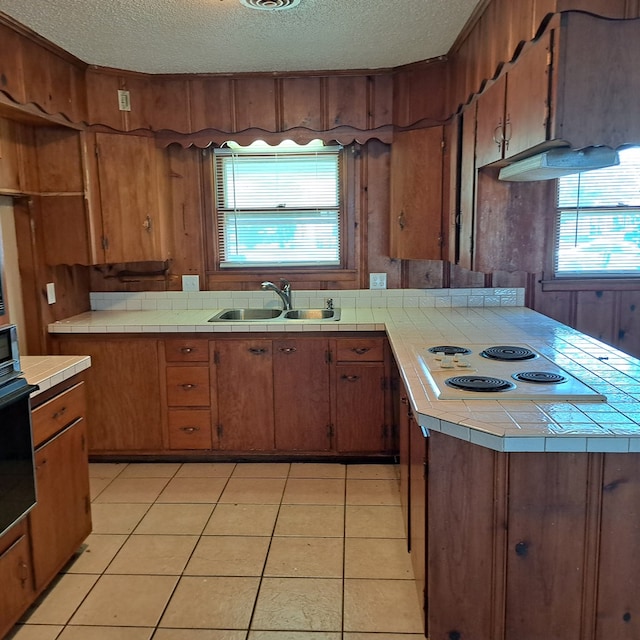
[[48, 371], [502, 425]]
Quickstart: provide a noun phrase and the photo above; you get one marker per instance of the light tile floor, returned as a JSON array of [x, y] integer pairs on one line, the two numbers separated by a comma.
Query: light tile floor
[[223, 551]]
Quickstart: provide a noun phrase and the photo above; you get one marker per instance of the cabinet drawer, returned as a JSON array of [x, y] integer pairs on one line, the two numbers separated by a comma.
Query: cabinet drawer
[[186, 350], [189, 429], [360, 350], [57, 413], [188, 386]]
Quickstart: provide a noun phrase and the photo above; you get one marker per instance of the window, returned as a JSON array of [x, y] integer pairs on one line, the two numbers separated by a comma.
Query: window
[[278, 206], [598, 229]]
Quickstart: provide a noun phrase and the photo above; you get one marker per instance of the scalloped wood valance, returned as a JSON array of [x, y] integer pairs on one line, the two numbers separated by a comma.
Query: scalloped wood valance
[[343, 135]]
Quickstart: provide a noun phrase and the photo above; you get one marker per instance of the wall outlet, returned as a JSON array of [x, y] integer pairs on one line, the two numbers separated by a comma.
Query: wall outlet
[[377, 281], [51, 292], [191, 283], [124, 100]]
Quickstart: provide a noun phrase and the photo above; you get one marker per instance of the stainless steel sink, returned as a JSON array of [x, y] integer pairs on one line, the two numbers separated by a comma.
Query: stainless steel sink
[[312, 314], [246, 315]]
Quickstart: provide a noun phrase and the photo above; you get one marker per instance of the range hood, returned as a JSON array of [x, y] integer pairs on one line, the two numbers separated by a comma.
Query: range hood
[[556, 163]]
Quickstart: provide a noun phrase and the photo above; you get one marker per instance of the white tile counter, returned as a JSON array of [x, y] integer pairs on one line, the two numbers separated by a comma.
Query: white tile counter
[[48, 371], [414, 319]]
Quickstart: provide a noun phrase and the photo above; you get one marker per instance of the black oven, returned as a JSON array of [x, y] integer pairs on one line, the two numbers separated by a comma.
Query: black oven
[[9, 353], [17, 477]]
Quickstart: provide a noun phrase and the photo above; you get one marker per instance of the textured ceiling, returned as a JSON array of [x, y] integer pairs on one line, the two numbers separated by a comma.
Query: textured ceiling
[[220, 36]]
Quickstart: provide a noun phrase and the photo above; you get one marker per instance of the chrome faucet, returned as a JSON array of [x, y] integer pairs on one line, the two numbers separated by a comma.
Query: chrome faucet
[[284, 292]]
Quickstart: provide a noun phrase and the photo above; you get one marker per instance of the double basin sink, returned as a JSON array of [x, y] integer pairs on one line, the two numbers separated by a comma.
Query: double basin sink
[[248, 315]]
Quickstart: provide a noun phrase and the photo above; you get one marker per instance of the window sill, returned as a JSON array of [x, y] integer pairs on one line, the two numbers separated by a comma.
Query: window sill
[[591, 284]]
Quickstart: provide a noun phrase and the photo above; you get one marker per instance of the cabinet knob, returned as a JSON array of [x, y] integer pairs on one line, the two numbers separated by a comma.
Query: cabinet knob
[[350, 378], [147, 224], [189, 429], [187, 386], [59, 414], [360, 350], [402, 221], [287, 349], [257, 351], [186, 349]]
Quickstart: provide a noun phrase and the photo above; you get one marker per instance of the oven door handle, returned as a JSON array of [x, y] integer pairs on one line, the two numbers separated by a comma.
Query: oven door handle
[[15, 391]]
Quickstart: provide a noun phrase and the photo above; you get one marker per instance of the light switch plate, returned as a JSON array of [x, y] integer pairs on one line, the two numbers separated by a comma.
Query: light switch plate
[[377, 281], [191, 283]]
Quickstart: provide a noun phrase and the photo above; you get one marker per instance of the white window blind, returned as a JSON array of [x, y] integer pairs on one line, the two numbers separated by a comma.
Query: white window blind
[[598, 229], [278, 206]]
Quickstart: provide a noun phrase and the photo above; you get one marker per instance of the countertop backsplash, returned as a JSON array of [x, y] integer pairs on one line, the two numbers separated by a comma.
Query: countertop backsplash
[[309, 299]]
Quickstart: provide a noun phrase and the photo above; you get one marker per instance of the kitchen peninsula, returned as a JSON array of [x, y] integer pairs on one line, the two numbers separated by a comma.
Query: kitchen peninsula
[[523, 515]]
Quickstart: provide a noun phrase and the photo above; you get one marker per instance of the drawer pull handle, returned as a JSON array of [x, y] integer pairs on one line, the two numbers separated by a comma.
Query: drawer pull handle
[[287, 349], [60, 413], [189, 429], [350, 378], [188, 386], [186, 349], [257, 351], [360, 350]]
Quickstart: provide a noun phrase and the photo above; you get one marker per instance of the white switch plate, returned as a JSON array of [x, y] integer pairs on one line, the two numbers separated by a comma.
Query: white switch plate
[[191, 283], [51, 292], [377, 281]]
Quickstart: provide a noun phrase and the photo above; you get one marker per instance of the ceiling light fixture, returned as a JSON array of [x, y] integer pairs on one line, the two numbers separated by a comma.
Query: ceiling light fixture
[[270, 5]]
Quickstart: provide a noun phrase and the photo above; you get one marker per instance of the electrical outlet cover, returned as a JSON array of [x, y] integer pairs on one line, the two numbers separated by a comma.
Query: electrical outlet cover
[[190, 283], [377, 281]]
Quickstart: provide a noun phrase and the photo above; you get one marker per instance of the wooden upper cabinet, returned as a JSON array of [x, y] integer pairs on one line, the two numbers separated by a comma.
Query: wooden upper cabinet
[[576, 85], [597, 80], [416, 194], [513, 112], [125, 202]]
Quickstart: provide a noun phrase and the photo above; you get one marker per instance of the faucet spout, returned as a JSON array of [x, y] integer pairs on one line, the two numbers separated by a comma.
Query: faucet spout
[[283, 293]]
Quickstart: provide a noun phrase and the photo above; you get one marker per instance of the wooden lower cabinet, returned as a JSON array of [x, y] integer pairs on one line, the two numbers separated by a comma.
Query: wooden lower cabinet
[[363, 412], [61, 520], [123, 392], [190, 395], [528, 546], [245, 395], [302, 407], [16, 593], [35, 549]]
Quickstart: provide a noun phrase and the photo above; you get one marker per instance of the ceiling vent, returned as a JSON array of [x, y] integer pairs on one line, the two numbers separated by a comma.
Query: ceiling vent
[[270, 5]]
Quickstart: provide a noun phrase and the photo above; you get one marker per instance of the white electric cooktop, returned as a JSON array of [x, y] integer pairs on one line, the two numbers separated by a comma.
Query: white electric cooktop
[[499, 372]]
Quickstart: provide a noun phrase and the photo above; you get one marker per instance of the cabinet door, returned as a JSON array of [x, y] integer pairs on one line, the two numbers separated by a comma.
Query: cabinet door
[[465, 222], [490, 116], [245, 395], [61, 520], [360, 408], [528, 89], [128, 198], [418, 509], [301, 394], [16, 593], [416, 194], [123, 393]]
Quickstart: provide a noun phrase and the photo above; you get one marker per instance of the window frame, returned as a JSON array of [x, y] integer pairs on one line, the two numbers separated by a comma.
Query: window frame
[[345, 271], [587, 281]]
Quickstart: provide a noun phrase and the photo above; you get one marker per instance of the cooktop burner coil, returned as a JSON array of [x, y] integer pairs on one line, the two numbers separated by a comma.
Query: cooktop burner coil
[[508, 353], [479, 383], [449, 350], [540, 377]]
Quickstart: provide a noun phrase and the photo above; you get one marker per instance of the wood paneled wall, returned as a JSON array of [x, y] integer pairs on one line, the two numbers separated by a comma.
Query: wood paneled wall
[[359, 105]]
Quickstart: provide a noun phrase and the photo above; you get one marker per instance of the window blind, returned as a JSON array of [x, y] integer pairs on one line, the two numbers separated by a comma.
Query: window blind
[[278, 207], [598, 228]]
